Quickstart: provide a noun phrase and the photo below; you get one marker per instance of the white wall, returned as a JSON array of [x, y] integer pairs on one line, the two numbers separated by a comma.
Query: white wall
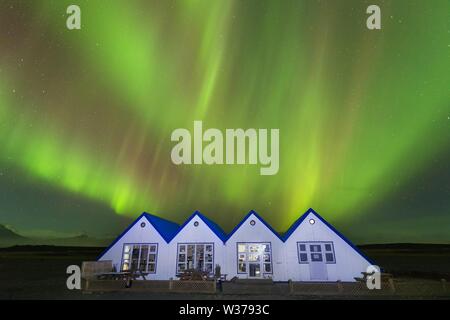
[[349, 263], [137, 234], [285, 264], [256, 233]]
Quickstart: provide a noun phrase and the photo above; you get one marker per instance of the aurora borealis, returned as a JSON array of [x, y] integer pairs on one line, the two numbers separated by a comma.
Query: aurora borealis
[[364, 116]]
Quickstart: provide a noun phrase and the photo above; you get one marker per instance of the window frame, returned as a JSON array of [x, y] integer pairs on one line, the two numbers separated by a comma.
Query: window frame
[[322, 251], [248, 253], [140, 244], [195, 244]]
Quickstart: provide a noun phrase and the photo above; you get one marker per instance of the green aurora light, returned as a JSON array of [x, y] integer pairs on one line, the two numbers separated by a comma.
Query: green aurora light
[[361, 113]]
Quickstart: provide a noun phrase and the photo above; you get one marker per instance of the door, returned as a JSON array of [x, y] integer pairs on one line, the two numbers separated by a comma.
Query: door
[[254, 269], [254, 260], [317, 265]]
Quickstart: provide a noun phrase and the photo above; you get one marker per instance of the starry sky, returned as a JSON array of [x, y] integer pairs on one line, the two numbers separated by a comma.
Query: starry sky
[[364, 116]]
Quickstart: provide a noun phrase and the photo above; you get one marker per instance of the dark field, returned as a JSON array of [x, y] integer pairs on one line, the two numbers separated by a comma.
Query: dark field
[[40, 272]]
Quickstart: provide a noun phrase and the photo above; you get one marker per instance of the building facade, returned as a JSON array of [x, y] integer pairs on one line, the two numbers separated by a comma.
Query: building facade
[[311, 249]]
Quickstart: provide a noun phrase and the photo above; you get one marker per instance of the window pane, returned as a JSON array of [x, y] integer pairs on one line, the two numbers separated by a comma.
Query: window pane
[[208, 248], [182, 257], [127, 248], [199, 257], [143, 264], [182, 248], [208, 257], [267, 267], [151, 267], [135, 252], [208, 267], [199, 252], [190, 256], [328, 247], [267, 248], [125, 266], [126, 256], [181, 267], [241, 257], [254, 269], [152, 257], [316, 257], [241, 247], [266, 258], [302, 247], [254, 257], [135, 257], [152, 248], [329, 257], [315, 248], [144, 252], [242, 267], [303, 257]]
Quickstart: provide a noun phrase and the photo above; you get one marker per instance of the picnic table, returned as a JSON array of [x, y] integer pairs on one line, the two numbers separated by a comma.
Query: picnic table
[[124, 275], [194, 275], [383, 276]]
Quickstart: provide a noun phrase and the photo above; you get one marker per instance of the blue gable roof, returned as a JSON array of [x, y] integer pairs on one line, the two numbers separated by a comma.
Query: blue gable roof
[[212, 225], [259, 218], [340, 235], [168, 229]]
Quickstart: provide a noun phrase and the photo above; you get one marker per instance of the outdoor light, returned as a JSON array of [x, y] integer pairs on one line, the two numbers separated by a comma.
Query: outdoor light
[[312, 221], [196, 224], [142, 224], [252, 222]]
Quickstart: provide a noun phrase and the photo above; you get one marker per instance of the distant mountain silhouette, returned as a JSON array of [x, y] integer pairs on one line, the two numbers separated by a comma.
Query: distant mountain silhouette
[[10, 238], [8, 234]]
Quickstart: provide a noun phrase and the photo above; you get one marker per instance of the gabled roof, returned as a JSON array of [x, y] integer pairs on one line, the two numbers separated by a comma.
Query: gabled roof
[[212, 225], [259, 218], [167, 229], [340, 235]]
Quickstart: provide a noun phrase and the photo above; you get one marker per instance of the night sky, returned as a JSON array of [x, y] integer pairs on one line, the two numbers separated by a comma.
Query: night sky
[[364, 116]]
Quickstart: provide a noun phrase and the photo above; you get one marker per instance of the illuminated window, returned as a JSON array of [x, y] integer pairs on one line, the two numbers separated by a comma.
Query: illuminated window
[[242, 247], [198, 256], [139, 257], [254, 259]]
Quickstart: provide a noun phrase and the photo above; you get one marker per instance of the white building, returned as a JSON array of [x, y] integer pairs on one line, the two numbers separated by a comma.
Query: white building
[[311, 249], [199, 244], [254, 250], [144, 245], [316, 251]]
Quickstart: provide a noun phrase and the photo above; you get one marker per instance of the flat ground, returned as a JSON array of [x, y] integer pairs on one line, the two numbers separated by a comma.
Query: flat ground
[[40, 272]]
